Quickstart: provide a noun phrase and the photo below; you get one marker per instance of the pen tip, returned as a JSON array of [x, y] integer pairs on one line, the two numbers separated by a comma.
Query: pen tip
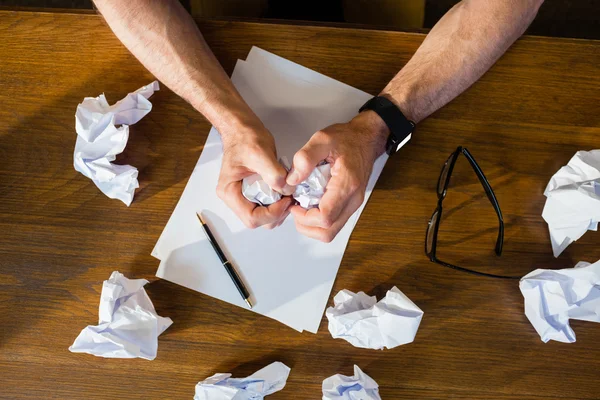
[[248, 302], [200, 217]]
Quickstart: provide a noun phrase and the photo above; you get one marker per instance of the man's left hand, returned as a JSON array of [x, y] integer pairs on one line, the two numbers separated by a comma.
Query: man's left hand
[[351, 149]]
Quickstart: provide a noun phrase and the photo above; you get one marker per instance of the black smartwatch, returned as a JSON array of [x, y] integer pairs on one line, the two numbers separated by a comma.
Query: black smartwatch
[[401, 128]]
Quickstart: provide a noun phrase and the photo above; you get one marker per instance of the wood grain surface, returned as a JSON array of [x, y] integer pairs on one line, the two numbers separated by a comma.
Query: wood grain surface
[[60, 237]]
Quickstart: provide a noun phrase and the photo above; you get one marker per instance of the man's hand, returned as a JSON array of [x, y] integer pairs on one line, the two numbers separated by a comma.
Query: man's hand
[[351, 149], [249, 152]]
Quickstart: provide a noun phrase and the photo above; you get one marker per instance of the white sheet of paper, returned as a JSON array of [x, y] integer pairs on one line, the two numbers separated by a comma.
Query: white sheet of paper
[[264, 382], [552, 297], [573, 200], [99, 140], [358, 387], [289, 276], [128, 324], [363, 322]]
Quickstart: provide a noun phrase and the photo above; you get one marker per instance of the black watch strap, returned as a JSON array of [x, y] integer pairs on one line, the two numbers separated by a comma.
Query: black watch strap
[[400, 127]]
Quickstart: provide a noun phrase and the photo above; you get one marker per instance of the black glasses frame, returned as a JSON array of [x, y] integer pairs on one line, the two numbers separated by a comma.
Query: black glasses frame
[[436, 217]]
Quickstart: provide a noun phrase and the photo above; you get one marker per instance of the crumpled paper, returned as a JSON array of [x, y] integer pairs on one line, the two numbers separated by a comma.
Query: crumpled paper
[[99, 140], [128, 324], [358, 387], [360, 320], [573, 200], [552, 297], [257, 191], [308, 193], [268, 380]]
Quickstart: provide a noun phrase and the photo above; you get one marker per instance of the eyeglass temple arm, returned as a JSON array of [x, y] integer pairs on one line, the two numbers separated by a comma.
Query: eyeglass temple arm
[[470, 271], [491, 196]]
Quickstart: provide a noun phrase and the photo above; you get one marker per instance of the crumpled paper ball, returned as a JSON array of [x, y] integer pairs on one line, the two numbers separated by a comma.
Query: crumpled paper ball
[[308, 193], [573, 200], [102, 134], [257, 191], [128, 325], [553, 297], [363, 322], [358, 387], [264, 382]]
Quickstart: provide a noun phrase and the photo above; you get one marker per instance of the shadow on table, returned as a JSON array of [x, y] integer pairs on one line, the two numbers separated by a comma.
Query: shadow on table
[[242, 370], [40, 187]]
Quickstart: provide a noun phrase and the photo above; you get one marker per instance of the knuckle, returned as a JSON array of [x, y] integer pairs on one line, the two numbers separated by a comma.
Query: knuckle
[[323, 137], [302, 160], [354, 184], [361, 198], [320, 135], [251, 223], [326, 221], [221, 191], [327, 237]]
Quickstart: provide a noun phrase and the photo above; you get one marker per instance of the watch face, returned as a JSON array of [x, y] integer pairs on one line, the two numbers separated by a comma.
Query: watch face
[[402, 143]]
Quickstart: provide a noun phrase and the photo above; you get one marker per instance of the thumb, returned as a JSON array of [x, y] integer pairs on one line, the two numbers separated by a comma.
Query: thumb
[[272, 172], [306, 160]]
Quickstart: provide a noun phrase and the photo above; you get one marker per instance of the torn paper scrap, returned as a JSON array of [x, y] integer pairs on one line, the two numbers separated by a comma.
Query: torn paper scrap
[[128, 324], [573, 200], [308, 193], [358, 387], [360, 320], [102, 133], [552, 297], [264, 382]]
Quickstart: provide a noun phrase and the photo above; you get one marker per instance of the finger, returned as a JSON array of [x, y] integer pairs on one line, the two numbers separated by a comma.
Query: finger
[[278, 223], [287, 213], [327, 235], [272, 172], [307, 158], [250, 213]]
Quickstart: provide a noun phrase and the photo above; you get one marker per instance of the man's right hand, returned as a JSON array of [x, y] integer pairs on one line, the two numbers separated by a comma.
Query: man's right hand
[[252, 151]]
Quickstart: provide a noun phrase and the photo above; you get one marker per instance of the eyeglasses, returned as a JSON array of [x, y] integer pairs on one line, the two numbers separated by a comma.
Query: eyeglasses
[[434, 221]]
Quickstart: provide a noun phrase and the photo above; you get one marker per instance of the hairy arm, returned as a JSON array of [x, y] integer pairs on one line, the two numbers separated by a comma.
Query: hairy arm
[[461, 47], [166, 40]]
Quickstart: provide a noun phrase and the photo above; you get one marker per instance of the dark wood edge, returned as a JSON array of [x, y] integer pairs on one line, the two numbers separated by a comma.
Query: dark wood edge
[[338, 25], [49, 10], [269, 21]]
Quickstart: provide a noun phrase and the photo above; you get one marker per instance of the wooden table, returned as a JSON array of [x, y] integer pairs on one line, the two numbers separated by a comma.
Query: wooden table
[[60, 237]]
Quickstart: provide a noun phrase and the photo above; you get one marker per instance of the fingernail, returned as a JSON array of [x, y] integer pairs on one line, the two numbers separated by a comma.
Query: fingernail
[[288, 190], [293, 178]]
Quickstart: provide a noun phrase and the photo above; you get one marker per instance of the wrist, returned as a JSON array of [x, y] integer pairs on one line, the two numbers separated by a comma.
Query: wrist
[[236, 123], [373, 128], [401, 99]]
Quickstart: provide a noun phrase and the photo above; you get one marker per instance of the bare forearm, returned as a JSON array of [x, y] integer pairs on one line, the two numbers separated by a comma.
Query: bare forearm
[[460, 48], [165, 39]]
